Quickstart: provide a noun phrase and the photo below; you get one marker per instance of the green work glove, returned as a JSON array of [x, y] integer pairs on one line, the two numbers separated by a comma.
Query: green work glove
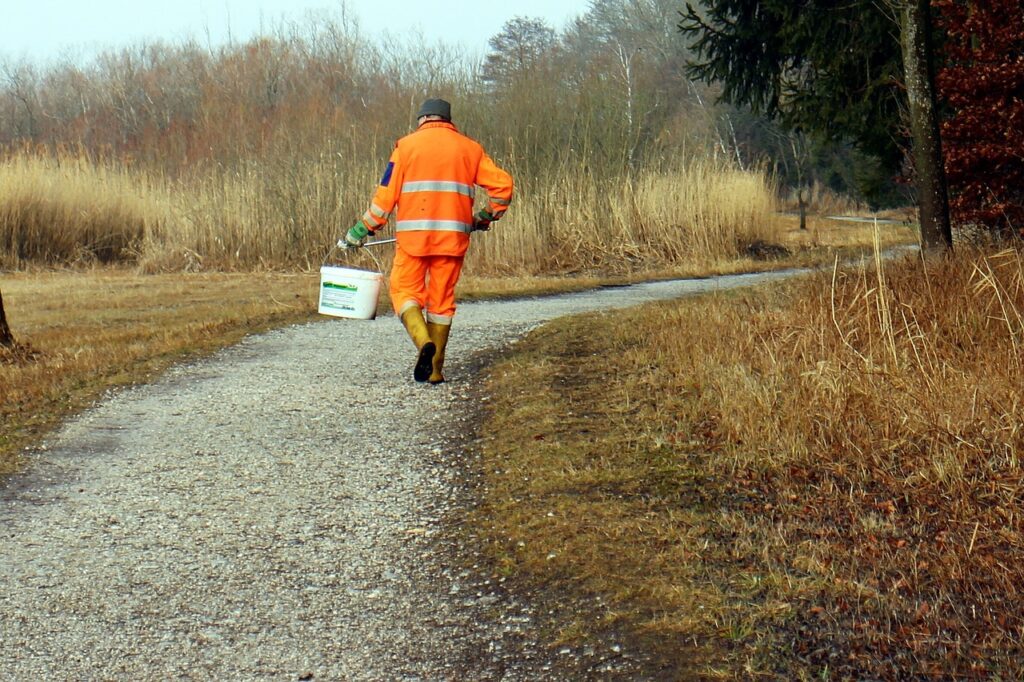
[[356, 235], [482, 220]]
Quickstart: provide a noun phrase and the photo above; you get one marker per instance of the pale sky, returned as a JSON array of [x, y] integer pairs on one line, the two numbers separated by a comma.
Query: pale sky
[[41, 30]]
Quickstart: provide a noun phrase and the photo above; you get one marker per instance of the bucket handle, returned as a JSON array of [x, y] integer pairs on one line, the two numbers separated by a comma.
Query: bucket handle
[[343, 245]]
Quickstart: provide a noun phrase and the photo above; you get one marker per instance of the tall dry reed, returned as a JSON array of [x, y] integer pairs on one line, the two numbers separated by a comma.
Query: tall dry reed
[[286, 211], [697, 214], [68, 209]]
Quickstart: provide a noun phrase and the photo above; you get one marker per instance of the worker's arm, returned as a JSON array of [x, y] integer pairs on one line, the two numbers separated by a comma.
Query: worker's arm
[[498, 185], [383, 203]]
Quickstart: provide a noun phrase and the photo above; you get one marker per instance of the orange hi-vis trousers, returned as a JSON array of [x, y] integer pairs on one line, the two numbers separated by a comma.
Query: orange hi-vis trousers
[[427, 282]]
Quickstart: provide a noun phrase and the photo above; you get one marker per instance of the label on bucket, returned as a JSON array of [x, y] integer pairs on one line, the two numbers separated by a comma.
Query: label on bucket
[[338, 296]]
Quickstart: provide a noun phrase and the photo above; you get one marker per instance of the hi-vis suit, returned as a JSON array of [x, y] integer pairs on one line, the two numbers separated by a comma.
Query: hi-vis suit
[[429, 184]]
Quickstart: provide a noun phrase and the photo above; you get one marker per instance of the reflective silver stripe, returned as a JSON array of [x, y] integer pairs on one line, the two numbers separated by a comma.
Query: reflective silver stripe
[[439, 319], [409, 305], [378, 211], [500, 202], [438, 186], [371, 222], [438, 225]]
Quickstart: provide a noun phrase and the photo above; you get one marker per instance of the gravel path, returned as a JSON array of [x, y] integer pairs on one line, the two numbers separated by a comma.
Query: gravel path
[[281, 510]]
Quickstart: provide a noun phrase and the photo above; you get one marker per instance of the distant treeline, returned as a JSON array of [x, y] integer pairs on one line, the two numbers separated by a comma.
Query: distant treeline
[[608, 91]]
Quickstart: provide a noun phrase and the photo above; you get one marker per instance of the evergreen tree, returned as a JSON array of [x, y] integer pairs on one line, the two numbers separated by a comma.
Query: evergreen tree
[[844, 70], [824, 67]]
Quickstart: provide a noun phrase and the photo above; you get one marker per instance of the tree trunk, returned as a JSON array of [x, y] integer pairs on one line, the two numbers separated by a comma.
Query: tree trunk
[[6, 339], [919, 67], [803, 208]]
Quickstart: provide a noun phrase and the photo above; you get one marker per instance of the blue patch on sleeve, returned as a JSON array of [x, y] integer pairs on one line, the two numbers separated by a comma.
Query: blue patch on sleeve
[[386, 180]]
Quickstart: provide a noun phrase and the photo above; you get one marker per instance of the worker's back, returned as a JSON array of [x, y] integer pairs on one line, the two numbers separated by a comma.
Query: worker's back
[[438, 167]]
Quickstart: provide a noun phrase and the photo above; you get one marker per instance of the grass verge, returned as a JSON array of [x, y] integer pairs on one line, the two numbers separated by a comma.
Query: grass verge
[[817, 480]]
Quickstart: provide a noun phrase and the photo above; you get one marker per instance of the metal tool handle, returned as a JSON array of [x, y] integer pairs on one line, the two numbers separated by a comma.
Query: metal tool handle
[[345, 245]]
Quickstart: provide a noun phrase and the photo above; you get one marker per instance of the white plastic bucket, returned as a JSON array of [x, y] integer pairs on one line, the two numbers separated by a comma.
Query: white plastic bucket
[[349, 293]]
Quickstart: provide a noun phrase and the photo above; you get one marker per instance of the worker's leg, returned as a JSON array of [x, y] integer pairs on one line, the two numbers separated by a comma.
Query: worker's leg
[[439, 335], [408, 282], [408, 294], [444, 275]]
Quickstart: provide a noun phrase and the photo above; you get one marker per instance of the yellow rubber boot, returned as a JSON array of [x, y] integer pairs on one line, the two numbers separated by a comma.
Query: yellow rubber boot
[[439, 335], [417, 328]]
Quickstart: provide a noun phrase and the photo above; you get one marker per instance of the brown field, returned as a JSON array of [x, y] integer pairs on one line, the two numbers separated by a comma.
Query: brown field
[[821, 479]]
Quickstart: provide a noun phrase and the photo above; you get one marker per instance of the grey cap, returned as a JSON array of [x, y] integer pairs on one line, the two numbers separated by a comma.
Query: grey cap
[[435, 107]]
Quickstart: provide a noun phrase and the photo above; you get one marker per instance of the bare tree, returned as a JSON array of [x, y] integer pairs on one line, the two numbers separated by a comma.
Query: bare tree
[[22, 84], [631, 49], [520, 46]]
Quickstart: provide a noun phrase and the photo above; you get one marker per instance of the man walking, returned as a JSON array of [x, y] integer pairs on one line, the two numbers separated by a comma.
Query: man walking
[[431, 182]]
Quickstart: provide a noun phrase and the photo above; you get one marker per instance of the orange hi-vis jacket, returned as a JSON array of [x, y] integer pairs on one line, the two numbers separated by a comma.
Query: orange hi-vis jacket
[[432, 178]]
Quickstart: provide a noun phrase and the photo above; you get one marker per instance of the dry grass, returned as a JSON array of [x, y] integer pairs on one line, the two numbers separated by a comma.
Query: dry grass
[[826, 234], [67, 314], [822, 200], [69, 210], [287, 212], [575, 222], [819, 480], [277, 213]]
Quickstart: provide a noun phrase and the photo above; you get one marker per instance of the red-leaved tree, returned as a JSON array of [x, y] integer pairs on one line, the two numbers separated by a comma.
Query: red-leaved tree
[[983, 83]]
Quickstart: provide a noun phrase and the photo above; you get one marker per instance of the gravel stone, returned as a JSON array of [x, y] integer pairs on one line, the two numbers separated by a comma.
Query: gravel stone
[[286, 509]]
